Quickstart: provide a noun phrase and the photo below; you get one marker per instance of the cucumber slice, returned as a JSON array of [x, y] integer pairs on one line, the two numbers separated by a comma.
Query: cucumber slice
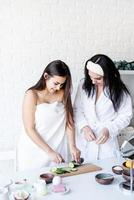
[[68, 169], [54, 169], [60, 171], [76, 164], [74, 169], [71, 165]]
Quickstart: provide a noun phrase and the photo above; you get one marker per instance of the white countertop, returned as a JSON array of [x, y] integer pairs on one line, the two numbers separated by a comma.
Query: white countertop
[[84, 186]]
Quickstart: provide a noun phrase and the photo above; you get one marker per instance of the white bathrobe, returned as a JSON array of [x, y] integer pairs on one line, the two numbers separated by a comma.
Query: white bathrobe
[[100, 115], [50, 123]]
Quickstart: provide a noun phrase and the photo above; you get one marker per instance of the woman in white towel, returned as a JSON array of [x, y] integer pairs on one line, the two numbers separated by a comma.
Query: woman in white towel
[[102, 109], [48, 119]]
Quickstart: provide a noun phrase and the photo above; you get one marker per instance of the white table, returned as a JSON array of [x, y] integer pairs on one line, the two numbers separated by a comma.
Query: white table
[[84, 186]]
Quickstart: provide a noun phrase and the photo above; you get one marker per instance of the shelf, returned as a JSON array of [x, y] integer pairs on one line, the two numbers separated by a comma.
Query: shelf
[[126, 72]]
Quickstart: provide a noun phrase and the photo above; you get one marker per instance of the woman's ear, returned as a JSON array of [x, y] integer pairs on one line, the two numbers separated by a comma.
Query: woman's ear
[[46, 75]]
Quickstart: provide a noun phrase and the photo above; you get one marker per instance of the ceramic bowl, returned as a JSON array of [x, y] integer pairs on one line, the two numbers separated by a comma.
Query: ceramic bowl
[[104, 178], [47, 177], [126, 177], [127, 186], [126, 170], [117, 169], [21, 198], [21, 195]]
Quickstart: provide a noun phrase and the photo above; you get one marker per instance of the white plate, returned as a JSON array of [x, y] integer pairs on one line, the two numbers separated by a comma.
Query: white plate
[[12, 198], [66, 191]]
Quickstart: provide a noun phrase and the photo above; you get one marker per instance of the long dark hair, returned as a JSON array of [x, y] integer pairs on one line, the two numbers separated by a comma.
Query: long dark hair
[[59, 68], [112, 80]]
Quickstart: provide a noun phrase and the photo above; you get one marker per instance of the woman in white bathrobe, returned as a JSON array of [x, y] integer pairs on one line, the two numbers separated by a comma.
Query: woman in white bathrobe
[[48, 119], [102, 108]]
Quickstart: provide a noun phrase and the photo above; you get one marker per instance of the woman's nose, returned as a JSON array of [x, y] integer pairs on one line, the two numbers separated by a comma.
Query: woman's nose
[[93, 81], [58, 87]]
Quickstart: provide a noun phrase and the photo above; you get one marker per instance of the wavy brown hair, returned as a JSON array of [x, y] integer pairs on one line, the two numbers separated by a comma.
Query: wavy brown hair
[[59, 68]]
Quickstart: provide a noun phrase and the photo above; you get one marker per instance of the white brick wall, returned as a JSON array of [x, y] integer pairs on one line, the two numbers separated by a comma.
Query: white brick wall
[[35, 32]]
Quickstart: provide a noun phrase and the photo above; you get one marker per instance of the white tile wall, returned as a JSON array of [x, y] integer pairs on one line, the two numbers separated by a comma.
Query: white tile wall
[[35, 32]]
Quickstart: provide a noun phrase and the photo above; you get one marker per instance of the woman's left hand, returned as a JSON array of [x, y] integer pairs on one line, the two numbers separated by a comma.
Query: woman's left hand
[[75, 152], [104, 136]]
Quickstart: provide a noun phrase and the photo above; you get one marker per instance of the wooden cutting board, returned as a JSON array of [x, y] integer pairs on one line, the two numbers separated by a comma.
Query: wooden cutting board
[[85, 168]]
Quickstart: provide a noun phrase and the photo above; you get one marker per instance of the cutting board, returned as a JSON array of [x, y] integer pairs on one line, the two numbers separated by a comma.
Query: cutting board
[[85, 168]]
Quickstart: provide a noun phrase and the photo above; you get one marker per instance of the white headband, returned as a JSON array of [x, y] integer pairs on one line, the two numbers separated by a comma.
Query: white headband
[[94, 67]]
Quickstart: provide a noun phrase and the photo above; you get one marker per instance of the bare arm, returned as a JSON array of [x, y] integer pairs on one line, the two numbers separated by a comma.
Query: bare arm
[[28, 111], [71, 138]]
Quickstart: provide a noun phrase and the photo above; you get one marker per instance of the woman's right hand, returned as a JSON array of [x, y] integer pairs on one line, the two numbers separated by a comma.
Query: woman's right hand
[[56, 157], [88, 134]]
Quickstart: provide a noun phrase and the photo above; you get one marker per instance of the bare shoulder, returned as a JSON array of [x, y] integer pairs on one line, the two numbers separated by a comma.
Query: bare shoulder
[[30, 96]]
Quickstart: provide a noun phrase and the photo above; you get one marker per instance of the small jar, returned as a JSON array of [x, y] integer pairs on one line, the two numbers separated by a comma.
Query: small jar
[[40, 187]]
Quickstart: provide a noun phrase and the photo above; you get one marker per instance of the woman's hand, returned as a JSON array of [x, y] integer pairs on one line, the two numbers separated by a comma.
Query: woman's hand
[[104, 136], [75, 152], [56, 157], [88, 134]]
